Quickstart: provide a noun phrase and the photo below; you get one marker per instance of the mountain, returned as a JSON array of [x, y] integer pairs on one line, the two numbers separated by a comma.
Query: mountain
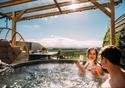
[[61, 42]]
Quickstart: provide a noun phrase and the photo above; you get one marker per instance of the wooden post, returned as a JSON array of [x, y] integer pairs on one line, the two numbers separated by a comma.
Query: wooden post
[[13, 28], [112, 25], [111, 14]]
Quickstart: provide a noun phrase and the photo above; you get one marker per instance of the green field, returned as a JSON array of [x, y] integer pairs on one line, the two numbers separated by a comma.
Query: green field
[[70, 54]]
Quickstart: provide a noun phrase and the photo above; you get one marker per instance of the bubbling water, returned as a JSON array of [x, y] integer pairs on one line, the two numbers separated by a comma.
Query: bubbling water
[[46, 76]]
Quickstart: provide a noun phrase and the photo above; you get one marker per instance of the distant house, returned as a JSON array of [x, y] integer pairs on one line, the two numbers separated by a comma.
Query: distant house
[[36, 47]]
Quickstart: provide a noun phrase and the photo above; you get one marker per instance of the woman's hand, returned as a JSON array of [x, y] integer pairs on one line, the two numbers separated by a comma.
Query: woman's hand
[[96, 70], [80, 66]]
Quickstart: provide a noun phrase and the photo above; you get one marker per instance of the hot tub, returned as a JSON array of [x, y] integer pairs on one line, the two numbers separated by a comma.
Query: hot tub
[[45, 74]]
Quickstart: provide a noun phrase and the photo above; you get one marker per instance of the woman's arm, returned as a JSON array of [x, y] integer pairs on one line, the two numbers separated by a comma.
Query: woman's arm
[[80, 67]]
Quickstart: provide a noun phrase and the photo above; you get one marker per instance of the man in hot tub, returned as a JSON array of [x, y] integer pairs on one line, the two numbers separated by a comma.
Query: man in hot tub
[[110, 60]]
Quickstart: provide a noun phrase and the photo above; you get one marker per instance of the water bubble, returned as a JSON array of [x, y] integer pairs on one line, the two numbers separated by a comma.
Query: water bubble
[[46, 76]]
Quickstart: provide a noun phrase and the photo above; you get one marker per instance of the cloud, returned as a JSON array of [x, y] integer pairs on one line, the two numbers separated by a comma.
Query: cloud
[[32, 26], [62, 42]]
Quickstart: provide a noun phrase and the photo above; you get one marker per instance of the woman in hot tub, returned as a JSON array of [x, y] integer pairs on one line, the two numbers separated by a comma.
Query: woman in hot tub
[[91, 69]]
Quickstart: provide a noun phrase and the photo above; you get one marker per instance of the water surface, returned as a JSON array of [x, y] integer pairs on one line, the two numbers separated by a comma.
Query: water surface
[[46, 76]]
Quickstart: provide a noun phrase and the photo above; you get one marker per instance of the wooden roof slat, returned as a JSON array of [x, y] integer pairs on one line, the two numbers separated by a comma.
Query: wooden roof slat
[[48, 7], [101, 7], [63, 12], [19, 15], [51, 6], [58, 6], [14, 2], [4, 15]]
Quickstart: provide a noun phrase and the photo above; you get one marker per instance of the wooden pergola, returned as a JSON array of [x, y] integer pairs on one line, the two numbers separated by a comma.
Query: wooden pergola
[[49, 6]]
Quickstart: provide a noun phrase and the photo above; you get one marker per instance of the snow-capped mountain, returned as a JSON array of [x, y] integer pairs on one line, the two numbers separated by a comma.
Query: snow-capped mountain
[[62, 42]]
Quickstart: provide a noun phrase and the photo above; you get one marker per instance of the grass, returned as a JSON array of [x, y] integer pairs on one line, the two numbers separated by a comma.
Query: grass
[[70, 54]]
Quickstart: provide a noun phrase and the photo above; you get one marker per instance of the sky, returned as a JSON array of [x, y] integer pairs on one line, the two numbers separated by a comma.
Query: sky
[[80, 29]]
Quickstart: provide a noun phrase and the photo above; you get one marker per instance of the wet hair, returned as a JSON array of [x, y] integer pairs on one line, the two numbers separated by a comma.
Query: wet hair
[[88, 52], [112, 53]]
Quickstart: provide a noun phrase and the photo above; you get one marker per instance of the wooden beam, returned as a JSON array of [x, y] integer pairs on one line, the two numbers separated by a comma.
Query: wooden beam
[[54, 6], [4, 15], [13, 28], [48, 7], [112, 25], [58, 6], [19, 15], [14, 2], [101, 7], [64, 12], [40, 8]]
